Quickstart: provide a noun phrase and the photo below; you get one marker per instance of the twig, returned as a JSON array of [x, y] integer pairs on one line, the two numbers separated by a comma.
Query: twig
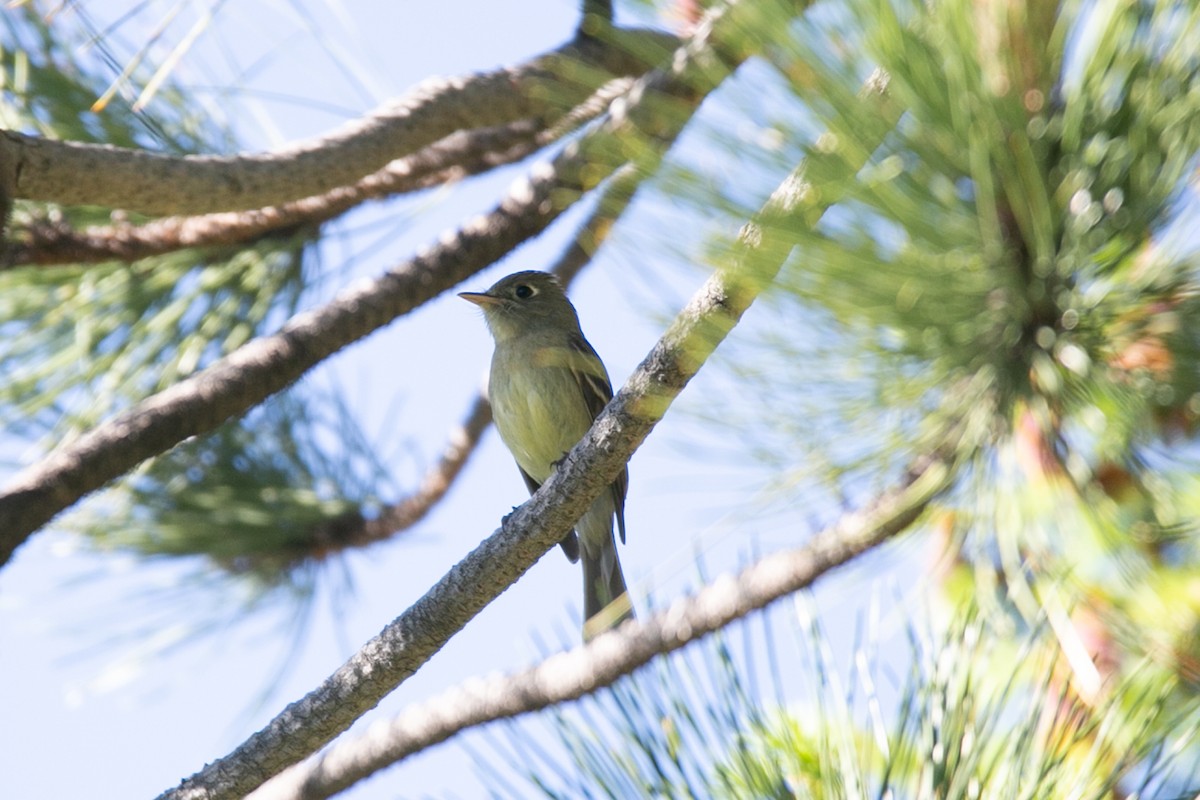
[[595, 230], [45, 243]]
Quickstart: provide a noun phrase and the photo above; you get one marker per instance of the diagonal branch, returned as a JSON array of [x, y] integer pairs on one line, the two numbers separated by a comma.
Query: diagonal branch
[[644, 123], [595, 230], [438, 479], [74, 173], [584, 670], [459, 155], [533, 528]]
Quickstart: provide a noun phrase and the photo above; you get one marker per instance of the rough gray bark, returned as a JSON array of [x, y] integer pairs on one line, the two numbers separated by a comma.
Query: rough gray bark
[[462, 154], [47, 243]]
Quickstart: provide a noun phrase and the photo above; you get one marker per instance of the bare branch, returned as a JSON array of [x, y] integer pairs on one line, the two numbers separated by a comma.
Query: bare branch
[[74, 173], [47, 243], [410, 640], [584, 670], [437, 481], [645, 125], [457, 156], [596, 228]]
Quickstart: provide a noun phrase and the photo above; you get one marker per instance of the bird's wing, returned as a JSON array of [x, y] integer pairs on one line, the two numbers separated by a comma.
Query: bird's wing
[[530, 483], [593, 382], [570, 542]]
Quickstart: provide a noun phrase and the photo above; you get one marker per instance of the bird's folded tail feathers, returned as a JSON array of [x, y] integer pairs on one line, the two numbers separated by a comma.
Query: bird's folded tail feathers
[[606, 602], [570, 546]]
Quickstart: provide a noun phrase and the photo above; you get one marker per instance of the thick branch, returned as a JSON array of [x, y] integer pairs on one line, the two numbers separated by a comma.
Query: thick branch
[[47, 243], [584, 670], [457, 156], [644, 127], [73, 173], [419, 632]]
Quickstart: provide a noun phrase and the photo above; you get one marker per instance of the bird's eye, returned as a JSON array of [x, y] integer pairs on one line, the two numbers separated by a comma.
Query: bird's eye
[[523, 292]]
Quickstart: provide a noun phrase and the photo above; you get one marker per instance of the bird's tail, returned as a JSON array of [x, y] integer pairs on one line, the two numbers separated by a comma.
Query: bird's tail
[[606, 602]]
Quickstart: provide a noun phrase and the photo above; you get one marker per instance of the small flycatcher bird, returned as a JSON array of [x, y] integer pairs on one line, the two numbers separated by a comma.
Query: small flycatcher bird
[[546, 387]]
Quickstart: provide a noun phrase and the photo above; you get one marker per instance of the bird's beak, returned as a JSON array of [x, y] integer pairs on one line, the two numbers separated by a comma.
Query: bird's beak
[[481, 299]]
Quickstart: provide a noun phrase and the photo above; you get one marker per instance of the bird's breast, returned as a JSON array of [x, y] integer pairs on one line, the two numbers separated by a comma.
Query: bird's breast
[[540, 414]]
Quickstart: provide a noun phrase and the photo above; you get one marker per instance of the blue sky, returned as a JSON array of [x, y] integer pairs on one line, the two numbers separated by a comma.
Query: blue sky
[[90, 715]]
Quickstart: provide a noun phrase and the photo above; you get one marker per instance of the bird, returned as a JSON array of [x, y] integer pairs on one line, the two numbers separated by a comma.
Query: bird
[[546, 387]]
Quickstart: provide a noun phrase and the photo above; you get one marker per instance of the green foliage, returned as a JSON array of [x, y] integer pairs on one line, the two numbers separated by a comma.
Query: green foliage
[[54, 74], [988, 234], [983, 713], [83, 342], [1024, 244], [685, 726], [259, 498], [978, 239]]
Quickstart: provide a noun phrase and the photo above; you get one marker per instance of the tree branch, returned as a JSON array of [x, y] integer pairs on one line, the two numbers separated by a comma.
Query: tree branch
[[533, 528], [412, 509], [74, 173], [46, 243], [595, 230], [642, 123], [584, 670], [457, 156]]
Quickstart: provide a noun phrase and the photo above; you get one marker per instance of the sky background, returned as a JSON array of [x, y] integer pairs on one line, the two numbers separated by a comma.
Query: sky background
[[89, 713]]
